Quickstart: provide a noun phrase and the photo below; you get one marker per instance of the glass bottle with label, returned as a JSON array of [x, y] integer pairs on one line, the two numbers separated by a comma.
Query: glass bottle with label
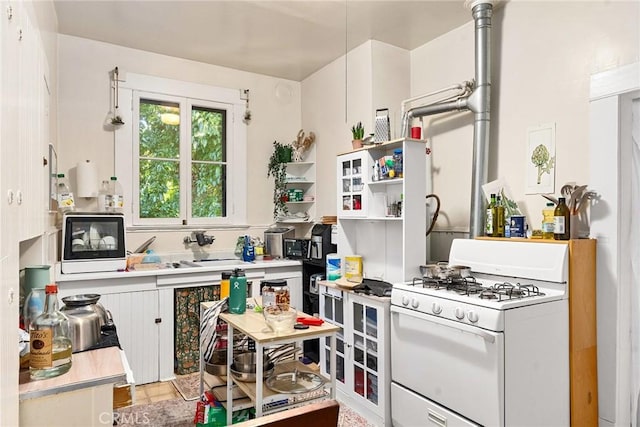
[[490, 219], [50, 342], [102, 196], [499, 213], [561, 221], [548, 221]]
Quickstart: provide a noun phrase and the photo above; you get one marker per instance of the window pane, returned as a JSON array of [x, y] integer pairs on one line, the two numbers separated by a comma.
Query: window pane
[[208, 135], [159, 189], [159, 129], [208, 195]]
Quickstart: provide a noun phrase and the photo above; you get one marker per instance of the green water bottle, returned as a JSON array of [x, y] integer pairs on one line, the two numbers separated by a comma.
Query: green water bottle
[[238, 292]]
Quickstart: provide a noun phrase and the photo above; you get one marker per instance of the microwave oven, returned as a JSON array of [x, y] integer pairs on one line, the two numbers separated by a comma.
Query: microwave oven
[[93, 242], [296, 248]]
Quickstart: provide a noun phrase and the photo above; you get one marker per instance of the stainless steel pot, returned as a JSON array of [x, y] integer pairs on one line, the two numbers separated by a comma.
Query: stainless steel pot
[[250, 377], [90, 300], [84, 325], [86, 318]]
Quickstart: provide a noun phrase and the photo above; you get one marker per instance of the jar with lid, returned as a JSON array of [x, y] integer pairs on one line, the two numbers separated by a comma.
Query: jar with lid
[[276, 293]]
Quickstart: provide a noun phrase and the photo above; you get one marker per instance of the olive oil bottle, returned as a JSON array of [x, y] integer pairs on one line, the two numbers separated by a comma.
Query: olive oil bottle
[[499, 213], [490, 218], [561, 221]]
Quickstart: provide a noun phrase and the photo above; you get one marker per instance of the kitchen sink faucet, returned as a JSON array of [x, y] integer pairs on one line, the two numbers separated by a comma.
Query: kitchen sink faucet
[[200, 238]]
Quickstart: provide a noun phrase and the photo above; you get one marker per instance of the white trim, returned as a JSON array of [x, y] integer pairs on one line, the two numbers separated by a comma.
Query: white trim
[[615, 82], [610, 95], [203, 94]]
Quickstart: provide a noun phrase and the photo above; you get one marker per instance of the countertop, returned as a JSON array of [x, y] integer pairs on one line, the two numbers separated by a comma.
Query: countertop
[[254, 325], [88, 369], [206, 267]]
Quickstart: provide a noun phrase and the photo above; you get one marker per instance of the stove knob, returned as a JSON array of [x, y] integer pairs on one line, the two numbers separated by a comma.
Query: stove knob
[[405, 301], [415, 303], [459, 313], [435, 307], [472, 316]]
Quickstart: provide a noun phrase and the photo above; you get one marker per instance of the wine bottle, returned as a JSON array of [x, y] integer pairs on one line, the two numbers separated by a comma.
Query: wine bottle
[[561, 221]]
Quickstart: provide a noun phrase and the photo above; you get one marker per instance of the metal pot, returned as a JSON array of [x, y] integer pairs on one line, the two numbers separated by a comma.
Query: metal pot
[[459, 271], [250, 377], [246, 362], [91, 301], [434, 271], [84, 325]]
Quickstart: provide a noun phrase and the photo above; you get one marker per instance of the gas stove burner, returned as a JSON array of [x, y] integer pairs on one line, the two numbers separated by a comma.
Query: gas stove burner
[[506, 290]]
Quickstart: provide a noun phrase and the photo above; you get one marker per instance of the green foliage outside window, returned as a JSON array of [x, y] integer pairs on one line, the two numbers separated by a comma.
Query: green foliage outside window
[[159, 162]]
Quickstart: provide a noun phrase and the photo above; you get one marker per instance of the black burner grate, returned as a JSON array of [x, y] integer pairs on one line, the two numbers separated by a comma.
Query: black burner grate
[[471, 287]]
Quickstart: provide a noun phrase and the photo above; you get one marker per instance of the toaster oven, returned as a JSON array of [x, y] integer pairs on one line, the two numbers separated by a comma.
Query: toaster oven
[[296, 248], [93, 242]]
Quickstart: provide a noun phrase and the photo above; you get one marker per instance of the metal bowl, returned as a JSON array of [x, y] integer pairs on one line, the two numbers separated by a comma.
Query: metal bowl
[[217, 364], [250, 377], [246, 362]]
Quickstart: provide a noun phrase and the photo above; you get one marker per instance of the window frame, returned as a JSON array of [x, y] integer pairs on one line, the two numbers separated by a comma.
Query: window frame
[[188, 95]]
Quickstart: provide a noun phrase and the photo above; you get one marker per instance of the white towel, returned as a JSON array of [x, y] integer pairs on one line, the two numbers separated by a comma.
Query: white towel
[[208, 325]]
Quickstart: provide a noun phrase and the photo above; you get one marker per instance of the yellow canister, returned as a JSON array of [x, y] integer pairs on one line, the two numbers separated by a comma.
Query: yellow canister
[[224, 284], [352, 266]]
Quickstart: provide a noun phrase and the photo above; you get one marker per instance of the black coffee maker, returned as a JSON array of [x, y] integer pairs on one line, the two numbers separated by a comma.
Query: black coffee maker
[[320, 244]]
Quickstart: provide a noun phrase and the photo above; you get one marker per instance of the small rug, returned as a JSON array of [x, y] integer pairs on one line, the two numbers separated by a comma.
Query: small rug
[[180, 413], [189, 386], [168, 413]]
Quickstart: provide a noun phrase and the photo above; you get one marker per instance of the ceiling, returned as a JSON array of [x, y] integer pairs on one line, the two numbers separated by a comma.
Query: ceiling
[[287, 39]]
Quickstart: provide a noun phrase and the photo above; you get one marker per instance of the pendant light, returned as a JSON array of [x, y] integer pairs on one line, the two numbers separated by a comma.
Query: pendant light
[[116, 120]]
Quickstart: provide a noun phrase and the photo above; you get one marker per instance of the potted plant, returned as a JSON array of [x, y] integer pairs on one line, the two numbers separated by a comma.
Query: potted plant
[[277, 168], [358, 133]]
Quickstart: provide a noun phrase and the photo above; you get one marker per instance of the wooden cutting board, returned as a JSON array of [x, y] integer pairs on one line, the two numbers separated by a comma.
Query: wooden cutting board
[[350, 283]]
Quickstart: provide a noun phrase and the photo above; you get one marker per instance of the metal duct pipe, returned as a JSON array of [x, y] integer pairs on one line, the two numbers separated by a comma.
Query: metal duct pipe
[[429, 110], [479, 103]]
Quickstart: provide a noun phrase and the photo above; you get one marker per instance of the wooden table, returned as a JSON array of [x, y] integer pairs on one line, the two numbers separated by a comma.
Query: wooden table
[[254, 326]]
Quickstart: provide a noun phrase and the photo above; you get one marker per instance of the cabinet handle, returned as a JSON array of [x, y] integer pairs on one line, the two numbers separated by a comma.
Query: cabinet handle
[[158, 320], [44, 161]]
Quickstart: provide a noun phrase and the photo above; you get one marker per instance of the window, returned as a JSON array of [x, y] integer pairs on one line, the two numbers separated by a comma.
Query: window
[[187, 155]]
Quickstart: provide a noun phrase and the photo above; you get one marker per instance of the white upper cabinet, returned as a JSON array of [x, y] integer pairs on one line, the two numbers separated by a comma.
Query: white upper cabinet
[[382, 215]]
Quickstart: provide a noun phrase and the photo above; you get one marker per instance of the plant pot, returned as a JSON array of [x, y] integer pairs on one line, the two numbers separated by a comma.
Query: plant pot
[[284, 155], [357, 143]]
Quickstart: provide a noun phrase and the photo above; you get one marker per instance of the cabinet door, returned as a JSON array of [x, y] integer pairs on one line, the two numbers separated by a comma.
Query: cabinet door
[[367, 338], [332, 311], [135, 315], [352, 192]]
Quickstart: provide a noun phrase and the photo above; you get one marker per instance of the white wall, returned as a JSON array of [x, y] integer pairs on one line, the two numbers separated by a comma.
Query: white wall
[[545, 53], [84, 100], [376, 75]]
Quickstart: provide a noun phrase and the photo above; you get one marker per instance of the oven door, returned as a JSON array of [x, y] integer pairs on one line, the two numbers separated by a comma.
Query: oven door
[[458, 366]]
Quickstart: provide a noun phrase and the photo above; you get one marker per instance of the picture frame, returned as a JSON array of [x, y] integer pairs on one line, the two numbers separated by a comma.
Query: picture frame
[[540, 161]]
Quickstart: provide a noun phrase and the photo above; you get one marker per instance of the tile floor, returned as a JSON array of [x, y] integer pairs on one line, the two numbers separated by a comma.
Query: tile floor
[[155, 392]]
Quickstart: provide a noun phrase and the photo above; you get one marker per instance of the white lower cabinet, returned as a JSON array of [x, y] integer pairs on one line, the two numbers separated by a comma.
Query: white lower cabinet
[[363, 368], [134, 306]]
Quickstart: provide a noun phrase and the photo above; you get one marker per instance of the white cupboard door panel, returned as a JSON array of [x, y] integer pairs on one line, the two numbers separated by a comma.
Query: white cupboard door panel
[[134, 314]]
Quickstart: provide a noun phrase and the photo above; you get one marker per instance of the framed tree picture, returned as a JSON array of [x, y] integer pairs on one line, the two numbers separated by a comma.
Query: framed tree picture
[[540, 161]]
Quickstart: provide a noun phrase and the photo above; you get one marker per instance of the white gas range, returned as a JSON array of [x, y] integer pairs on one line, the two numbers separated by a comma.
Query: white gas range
[[490, 349]]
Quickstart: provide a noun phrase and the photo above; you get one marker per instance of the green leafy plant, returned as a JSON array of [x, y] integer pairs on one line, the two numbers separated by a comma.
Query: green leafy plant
[[542, 160], [277, 168], [357, 131]]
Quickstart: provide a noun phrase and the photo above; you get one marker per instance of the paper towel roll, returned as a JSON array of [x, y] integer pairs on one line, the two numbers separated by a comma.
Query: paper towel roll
[[87, 179]]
